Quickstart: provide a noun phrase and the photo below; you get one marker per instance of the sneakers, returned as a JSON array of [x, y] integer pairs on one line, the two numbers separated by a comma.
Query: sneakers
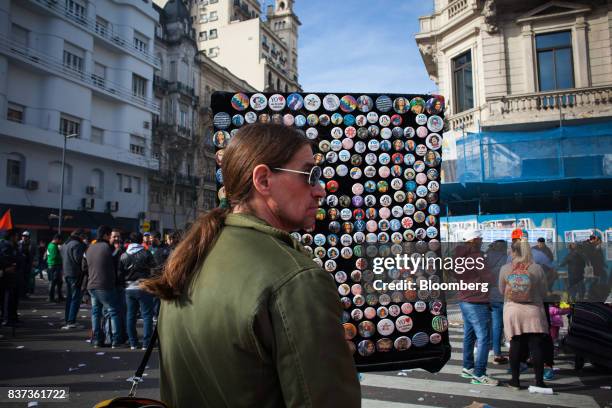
[[69, 326], [467, 373], [515, 387], [549, 373], [500, 360], [484, 380]]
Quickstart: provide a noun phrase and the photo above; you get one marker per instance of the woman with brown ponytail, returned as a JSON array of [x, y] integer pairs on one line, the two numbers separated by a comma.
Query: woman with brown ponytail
[[247, 318]]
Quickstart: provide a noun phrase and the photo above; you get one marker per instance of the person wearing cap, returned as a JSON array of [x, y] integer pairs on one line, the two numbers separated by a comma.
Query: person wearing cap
[[247, 317], [26, 249], [146, 240], [72, 257], [475, 306]]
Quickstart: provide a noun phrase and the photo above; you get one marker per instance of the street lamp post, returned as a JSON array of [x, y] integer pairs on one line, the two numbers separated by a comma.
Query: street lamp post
[[61, 206]]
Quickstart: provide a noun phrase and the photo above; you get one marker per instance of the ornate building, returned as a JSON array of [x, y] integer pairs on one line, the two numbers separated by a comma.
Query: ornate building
[[177, 143], [528, 88], [263, 53]]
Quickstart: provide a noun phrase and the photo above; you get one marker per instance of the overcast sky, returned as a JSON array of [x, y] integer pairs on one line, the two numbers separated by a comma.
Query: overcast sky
[[361, 46]]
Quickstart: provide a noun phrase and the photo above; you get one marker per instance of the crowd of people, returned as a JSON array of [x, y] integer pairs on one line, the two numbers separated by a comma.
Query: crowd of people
[[105, 272], [521, 304]]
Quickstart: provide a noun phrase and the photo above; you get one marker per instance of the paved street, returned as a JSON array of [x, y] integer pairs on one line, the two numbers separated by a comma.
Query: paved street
[[42, 354]]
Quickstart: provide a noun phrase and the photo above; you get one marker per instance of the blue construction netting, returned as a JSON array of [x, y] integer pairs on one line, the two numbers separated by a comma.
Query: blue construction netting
[[572, 151]]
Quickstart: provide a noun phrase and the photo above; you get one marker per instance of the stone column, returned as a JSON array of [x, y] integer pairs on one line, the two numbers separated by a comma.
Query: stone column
[[581, 57], [528, 60]]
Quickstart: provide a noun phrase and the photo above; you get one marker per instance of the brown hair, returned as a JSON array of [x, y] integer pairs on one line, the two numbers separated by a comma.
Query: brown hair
[[269, 144]]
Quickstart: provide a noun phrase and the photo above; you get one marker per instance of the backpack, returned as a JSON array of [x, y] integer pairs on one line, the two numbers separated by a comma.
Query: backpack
[[518, 284]]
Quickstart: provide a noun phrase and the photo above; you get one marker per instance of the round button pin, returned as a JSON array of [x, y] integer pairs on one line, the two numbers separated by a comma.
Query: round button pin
[[366, 348], [348, 103], [401, 105], [366, 329], [295, 101], [365, 103], [350, 331], [435, 338], [349, 120], [420, 339], [331, 102], [417, 105], [240, 101], [221, 139], [383, 103], [222, 120], [406, 308], [372, 117], [277, 102], [402, 343], [300, 120], [434, 105], [435, 123], [384, 345], [259, 101], [403, 324], [420, 306], [288, 119], [324, 119], [439, 323], [312, 102], [385, 327]]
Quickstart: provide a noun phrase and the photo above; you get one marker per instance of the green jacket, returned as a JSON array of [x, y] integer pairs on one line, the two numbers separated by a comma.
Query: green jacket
[[54, 257], [259, 327]]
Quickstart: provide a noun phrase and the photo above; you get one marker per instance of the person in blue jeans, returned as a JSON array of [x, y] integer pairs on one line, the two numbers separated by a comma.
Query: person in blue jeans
[[105, 300], [135, 265], [72, 258], [99, 269], [496, 256], [474, 306]]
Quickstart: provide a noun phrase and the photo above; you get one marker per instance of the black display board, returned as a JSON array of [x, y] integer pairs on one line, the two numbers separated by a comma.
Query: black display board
[[380, 155]]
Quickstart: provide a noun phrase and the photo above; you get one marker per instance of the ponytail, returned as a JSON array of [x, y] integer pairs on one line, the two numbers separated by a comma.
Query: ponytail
[[187, 256], [521, 252]]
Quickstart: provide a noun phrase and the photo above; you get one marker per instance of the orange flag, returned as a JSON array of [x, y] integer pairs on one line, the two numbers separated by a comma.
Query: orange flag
[[6, 223]]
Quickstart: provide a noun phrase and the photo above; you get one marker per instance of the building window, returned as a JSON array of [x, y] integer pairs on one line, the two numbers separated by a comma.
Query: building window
[[128, 184], [555, 68], [278, 84], [202, 36], [97, 135], [55, 176], [213, 52], [70, 125], [73, 57], [184, 117], [101, 26], [270, 82], [213, 16], [462, 82], [19, 35], [99, 75], [96, 181], [212, 34], [75, 8], [139, 86], [203, 18], [15, 170], [155, 196], [15, 113], [140, 42], [137, 145], [213, 1]]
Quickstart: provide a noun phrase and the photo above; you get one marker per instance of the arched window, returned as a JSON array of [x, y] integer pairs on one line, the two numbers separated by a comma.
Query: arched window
[[96, 180], [15, 170], [278, 85], [270, 83], [55, 177]]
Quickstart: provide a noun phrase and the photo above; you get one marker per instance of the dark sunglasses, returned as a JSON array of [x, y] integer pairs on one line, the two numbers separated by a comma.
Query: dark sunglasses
[[314, 175]]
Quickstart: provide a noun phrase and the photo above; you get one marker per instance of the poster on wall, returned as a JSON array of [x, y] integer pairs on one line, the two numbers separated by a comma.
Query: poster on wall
[[380, 156]]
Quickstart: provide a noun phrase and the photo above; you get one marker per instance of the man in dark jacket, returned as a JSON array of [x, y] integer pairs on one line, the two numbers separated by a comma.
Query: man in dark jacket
[[26, 249], [135, 265], [99, 268], [9, 262], [72, 258], [575, 262]]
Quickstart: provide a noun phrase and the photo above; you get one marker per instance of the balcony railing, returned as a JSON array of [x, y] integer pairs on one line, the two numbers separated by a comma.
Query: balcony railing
[[456, 7], [55, 65], [104, 32], [169, 177], [462, 120], [449, 14], [554, 100]]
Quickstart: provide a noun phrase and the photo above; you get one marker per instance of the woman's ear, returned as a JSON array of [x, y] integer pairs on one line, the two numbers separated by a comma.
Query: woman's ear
[[261, 179]]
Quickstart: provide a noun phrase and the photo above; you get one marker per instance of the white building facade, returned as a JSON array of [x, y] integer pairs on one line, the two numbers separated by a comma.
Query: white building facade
[[79, 67], [261, 52]]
